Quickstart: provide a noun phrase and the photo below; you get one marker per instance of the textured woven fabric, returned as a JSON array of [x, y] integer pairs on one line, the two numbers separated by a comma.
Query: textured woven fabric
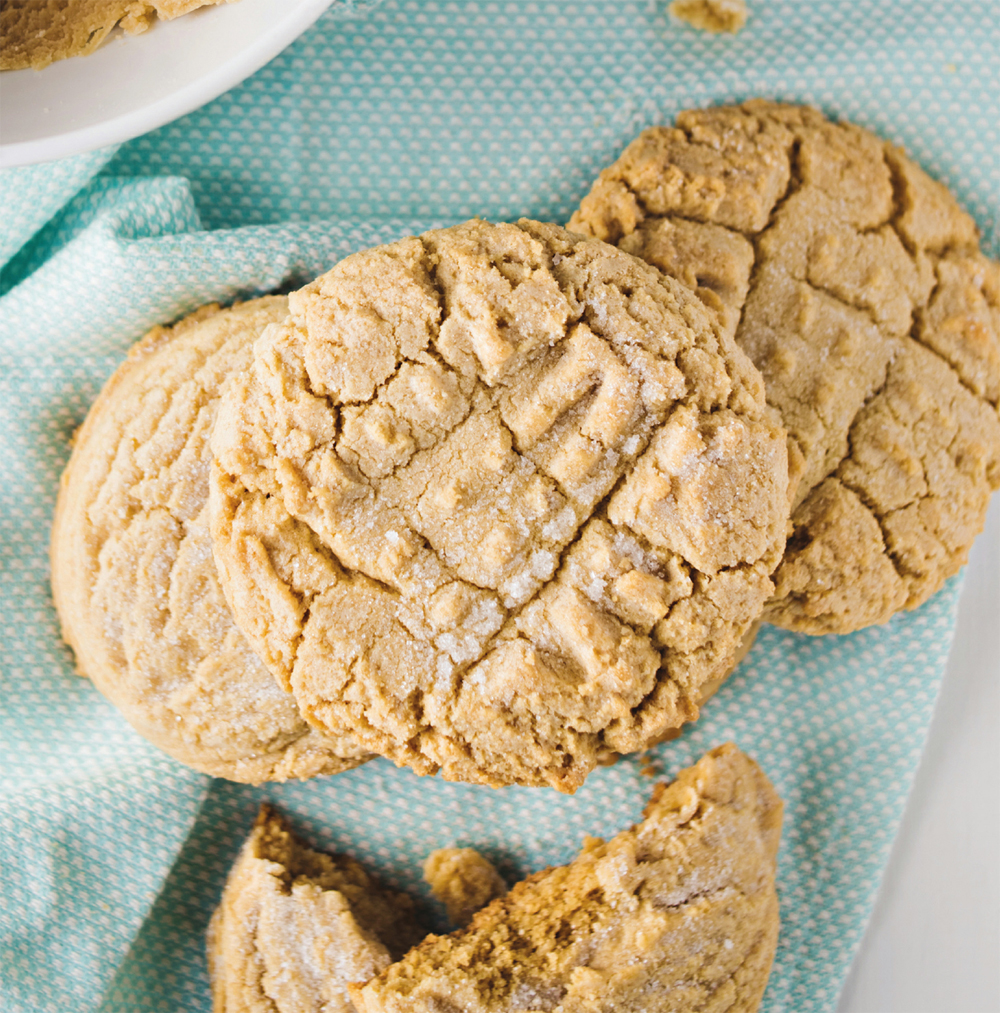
[[406, 116]]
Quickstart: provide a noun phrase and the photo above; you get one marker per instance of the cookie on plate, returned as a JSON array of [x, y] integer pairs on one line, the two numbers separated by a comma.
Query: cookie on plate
[[34, 33], [855, 283], [295, 926], [499, 500], [679, 913], [132, 570]]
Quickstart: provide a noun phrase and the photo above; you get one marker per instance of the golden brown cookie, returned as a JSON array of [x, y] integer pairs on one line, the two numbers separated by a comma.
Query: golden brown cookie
[[463, 880], [497, 499], [132, 570], [34, 33], [677, 914], [295, 926], [855, 283]]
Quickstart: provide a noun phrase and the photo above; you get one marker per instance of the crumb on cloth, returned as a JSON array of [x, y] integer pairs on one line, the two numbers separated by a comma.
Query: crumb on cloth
[[463, 880], [711, 15]]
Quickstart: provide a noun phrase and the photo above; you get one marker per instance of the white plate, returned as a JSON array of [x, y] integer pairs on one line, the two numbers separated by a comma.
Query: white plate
[[934, 936], [133, 84]]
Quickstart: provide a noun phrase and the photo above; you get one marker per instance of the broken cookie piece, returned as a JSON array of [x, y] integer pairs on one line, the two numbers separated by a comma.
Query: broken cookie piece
[[463, 880], [296, 926], [677, 914]]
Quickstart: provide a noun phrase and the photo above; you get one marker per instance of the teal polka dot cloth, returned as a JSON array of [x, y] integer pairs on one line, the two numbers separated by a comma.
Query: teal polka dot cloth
[[386, 119]]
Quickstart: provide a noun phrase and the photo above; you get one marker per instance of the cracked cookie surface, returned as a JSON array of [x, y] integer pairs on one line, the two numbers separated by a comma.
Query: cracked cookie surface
[[497, 499], [678, 913], [295, 926], [133, 575], [34, 33], [855, 283]]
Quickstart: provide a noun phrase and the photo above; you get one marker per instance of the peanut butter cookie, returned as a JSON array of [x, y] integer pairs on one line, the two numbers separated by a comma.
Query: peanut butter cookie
[[855, 283], [497, 499], [295, 926], [34, 33], [677, 914], [132, 570]]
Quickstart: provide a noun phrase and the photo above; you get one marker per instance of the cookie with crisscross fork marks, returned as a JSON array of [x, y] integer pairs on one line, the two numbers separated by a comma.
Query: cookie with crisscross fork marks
[[855, 283], [498, 499]]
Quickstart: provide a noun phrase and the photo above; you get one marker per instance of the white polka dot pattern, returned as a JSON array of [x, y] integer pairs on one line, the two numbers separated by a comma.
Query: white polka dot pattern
[[405, 116]]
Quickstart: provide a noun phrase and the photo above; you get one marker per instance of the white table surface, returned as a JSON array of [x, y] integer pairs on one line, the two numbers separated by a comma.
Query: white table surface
[[933, 944]]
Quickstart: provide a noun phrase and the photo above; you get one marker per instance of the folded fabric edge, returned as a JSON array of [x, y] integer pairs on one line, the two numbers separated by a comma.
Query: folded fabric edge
[[33, 194], [127, 266]]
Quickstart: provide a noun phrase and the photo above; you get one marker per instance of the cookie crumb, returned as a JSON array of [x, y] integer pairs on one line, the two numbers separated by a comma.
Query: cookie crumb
[[35, 33], [463, 880], [711, 15], [648, 767]]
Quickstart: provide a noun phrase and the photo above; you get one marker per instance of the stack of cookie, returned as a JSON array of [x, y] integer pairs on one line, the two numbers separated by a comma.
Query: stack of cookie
[[498, 501], [494, 501]]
